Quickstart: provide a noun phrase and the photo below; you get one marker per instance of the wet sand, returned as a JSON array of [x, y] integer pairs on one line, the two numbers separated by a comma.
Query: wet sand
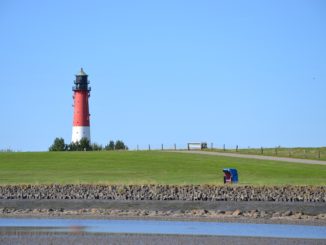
[[141, 239], [223, 211], [310, 208]]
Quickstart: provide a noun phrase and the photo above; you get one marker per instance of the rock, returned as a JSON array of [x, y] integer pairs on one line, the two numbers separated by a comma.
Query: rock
[[236, 212], [165, 192], [228, 212], [276, 215], [321, 216], [297, 215], [287, 213], [143, 212], [263, 214]]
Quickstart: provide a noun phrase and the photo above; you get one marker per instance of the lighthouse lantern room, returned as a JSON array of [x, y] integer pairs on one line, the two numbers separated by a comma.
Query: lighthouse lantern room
[[81, 122]]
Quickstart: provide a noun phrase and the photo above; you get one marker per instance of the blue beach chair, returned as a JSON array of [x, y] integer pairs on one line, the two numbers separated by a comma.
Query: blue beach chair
[[230, 175]]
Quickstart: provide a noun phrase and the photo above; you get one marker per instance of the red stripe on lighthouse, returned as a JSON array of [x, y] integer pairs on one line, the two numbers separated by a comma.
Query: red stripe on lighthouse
[[81, 110]]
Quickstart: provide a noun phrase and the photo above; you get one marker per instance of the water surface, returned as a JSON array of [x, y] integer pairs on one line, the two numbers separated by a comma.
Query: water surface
[[164, 227]]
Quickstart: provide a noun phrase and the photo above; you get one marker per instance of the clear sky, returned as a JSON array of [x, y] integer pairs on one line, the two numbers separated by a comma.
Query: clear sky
[[251, 73]]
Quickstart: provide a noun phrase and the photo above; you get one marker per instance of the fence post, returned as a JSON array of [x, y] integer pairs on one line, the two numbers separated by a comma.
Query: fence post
[[262, 150], [175, 147], [236, 149]]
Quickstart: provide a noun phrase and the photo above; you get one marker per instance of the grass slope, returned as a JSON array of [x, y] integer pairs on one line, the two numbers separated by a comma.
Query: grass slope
[[149, 167], [315, 153]]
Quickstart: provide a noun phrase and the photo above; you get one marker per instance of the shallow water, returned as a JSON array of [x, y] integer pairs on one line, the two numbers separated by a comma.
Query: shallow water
[[163, 227]]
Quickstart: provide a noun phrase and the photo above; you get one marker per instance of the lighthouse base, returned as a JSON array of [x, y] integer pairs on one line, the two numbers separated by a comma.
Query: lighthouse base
[[79, 132]]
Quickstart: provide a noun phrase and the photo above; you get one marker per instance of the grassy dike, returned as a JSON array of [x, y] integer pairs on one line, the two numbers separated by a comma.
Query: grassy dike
[[314, 153], [144, 167]]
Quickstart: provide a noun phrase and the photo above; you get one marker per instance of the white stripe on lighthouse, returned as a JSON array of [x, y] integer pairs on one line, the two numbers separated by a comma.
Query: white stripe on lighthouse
[[79, 132]]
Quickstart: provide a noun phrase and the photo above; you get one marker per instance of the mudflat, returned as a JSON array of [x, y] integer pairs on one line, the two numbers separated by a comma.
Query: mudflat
[[230, 211], [302, 213], [135, 239]]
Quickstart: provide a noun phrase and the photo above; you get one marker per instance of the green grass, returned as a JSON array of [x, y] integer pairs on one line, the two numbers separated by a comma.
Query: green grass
[[315, 153], [145, 167]]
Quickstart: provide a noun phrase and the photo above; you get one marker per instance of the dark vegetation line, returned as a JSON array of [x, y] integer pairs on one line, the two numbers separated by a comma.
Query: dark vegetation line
[[84, 145]]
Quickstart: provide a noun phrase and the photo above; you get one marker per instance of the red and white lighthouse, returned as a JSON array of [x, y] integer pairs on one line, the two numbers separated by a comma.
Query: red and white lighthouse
[[81, 125]]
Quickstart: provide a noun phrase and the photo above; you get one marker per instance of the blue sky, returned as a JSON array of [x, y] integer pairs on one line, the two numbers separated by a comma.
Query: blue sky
[[251, 73]]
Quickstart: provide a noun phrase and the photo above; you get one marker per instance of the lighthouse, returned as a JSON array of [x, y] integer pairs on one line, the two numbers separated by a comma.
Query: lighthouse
[[81, 125]]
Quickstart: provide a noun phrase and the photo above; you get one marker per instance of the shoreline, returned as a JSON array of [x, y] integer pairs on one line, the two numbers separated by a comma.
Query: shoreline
[[283, 221], [245, 212], [251, 212]]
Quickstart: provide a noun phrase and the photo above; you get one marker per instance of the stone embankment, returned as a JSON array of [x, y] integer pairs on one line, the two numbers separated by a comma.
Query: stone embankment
[[167, 192]]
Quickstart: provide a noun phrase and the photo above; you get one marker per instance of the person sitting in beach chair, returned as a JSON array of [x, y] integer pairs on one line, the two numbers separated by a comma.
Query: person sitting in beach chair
[[230, 175]]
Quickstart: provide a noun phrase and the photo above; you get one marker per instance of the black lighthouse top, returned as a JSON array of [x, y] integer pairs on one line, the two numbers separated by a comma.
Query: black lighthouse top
[[81, 82]]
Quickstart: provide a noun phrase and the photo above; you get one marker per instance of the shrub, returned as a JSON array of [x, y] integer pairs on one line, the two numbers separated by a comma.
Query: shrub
[[110, 146], [58, 145], [119, 145]]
